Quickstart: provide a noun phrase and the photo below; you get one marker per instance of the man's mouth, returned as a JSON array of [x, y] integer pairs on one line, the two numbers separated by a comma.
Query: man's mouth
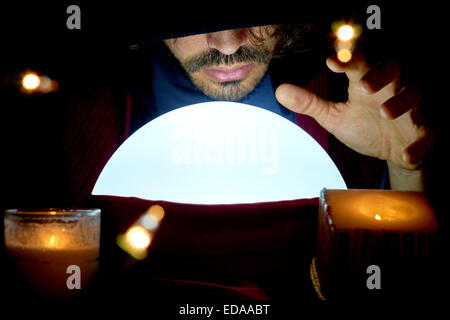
[[224, 74]]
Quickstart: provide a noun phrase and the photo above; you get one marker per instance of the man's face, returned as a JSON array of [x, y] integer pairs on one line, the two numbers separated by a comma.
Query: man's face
[[225, 65]]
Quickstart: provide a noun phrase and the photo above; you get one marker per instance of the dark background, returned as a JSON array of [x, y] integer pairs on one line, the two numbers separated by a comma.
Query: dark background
[[33, 36]]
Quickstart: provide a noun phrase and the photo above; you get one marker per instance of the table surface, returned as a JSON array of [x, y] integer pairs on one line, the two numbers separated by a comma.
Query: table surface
[[199, 255]]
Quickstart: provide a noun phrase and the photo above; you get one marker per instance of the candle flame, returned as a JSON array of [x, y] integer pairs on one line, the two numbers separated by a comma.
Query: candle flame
[[52, 241], [345, 33], [344, 55], [138, 237], [31, 81]]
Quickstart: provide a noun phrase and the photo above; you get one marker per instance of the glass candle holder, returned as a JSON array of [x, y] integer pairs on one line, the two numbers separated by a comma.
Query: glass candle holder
[[56, 251]]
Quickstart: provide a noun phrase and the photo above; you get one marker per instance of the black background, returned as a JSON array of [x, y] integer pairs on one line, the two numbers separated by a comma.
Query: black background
[[33, 36]]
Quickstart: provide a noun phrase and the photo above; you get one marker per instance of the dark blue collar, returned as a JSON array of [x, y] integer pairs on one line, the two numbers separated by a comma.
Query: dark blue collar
[[172, 89]]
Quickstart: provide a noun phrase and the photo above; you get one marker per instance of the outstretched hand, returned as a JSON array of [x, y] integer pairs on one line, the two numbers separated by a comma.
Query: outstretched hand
[[379, 119]]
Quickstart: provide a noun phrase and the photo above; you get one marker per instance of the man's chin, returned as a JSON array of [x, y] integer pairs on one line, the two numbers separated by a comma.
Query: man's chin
[[229, 91], [232, 90]]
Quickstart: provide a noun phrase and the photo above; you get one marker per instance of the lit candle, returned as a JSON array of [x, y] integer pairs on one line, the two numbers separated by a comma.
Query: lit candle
[[359, 228], [139, 236], [44, 243], [346, 35], [379, 210]]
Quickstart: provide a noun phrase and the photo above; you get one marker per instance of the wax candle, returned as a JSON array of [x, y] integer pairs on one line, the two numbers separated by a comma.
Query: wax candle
[[392, 230], [43, 244]]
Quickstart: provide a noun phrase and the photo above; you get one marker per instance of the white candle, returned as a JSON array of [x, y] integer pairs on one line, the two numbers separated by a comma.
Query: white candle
[[44, 243], [393, 230]]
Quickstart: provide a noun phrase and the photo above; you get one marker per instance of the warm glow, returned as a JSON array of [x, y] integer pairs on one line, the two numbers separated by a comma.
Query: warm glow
[[138, 238], [149, 222], [52, 241], [345, 33], [47, 85], [152, 218], [344, 55], [344, 45], [31, 81], [379, 210], [386, 208], [156, 211]]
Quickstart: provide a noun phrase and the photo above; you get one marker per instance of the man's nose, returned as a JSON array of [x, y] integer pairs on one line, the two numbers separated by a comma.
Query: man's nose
[[228, 41]]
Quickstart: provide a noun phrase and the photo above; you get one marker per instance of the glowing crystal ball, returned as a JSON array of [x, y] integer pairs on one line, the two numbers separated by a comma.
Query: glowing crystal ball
[[219, 153]]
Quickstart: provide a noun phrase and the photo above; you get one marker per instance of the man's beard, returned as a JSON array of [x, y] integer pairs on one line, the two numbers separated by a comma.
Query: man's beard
[[215, 57], [228, 90]]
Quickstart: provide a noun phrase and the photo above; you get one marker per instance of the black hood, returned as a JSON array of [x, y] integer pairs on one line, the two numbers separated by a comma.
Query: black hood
[[125, 22]]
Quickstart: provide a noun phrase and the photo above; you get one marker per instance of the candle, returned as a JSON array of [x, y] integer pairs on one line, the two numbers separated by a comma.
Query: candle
[[345, 43], [139, 236], [379, 210], [43, 244], [393, 230]]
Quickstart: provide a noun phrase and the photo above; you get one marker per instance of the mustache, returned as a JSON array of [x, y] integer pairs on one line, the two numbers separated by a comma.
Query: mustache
[[214, 57]]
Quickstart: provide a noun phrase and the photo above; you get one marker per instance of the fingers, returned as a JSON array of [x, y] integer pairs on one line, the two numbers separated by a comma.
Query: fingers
[[417, 151], [408, 98], [383, 79], [380, 76], [370, 79], [378, 87], [354, 69], [300, 100]]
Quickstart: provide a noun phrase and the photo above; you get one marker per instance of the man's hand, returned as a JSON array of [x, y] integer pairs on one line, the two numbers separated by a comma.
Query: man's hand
[[379, 119]]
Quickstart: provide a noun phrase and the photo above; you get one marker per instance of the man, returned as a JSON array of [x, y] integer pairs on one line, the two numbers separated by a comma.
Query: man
[[379, 119]]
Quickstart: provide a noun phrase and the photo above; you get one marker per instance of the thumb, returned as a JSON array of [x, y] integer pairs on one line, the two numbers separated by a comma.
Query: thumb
[[300, 100]]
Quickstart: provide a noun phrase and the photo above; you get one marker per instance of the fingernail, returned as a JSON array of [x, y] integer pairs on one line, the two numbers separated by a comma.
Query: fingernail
[[365, 87], [405, 156], [384, 113]]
